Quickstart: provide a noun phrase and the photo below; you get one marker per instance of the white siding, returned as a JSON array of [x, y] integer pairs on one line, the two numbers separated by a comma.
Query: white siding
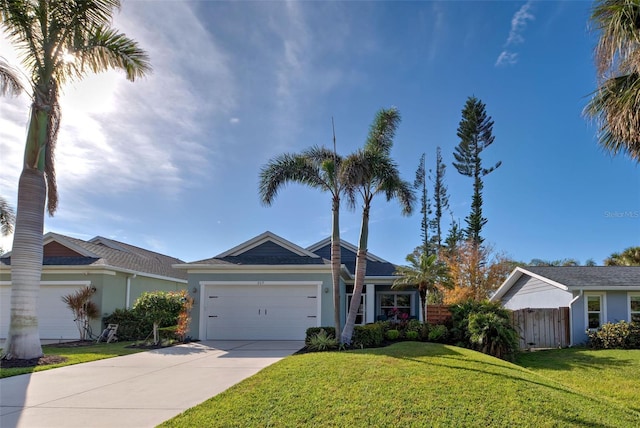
[[530, 292]]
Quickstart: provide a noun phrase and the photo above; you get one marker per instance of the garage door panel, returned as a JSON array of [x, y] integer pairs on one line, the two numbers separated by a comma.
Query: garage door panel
[[255, 312], [55, 320]]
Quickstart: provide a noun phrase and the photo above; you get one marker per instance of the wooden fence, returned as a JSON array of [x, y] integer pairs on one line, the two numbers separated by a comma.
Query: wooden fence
[[438, 314], [542, 328]]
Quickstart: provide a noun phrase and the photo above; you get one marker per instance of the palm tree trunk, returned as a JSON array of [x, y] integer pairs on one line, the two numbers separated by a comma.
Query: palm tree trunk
[[336, 262], [23, 340], [361, 270]]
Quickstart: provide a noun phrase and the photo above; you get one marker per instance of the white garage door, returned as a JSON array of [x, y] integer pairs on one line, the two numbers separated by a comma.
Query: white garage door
[[266, 311], [55, 320]]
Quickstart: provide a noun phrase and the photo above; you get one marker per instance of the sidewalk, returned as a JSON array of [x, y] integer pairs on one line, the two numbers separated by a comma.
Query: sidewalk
[[138, 390]]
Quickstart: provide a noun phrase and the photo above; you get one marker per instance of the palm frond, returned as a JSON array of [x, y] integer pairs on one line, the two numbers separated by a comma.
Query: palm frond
[[7, 217], [383, 130], [10, 82]]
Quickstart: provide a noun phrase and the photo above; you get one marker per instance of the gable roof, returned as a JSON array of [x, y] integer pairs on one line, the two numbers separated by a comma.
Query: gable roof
[[265, 249], [576, 278], [376, 266], [105, 253]]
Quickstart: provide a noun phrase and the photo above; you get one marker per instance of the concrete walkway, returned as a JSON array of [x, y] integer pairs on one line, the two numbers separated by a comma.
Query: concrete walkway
[[139, 390]]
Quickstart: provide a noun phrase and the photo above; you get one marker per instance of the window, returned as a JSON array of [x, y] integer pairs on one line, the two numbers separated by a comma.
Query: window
[[360, 316], [634, 308], [594, 305], [394, 304]]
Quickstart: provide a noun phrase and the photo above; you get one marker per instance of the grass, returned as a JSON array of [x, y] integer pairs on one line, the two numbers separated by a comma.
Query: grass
[[425, 384], [75, 355], [611, 374]]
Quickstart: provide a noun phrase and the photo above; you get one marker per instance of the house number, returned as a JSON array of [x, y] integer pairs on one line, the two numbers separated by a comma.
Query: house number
[[260, 282]]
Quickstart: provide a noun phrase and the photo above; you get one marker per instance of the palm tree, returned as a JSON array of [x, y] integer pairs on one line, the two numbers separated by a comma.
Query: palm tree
[[60, 41], [371, 171], [615, 105], [629, 257], [7, 217], [425, 272], [319, 168]]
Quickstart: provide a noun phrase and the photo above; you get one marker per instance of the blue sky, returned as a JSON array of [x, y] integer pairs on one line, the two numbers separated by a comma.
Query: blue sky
[[171, 162]]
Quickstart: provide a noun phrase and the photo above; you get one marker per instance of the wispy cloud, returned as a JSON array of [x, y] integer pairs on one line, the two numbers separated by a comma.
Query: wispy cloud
[[518, 25]]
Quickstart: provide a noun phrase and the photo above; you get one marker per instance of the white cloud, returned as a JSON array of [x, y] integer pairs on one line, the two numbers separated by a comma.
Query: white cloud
[[507, 58], [234, 120], [518, 25]]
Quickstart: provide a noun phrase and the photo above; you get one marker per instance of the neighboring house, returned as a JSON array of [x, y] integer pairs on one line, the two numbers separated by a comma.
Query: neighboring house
[[119, 272], [271, 289], [594, 294]]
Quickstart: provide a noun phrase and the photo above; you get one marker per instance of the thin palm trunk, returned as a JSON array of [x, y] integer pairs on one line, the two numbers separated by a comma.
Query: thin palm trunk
[[361, 270], [336, 262], [23, 341]]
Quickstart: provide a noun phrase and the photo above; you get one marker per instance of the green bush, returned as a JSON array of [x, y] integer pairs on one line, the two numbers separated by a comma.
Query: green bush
[[493, 334], [621, 335], [159, 307], [368, 336], [313, 331], [131, 326], [491, 331], [393, 334], [413, 335], [438, 333], [322, 341]]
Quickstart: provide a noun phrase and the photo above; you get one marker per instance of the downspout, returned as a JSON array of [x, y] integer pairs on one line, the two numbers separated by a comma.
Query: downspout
[[571, 315], [128, 297]]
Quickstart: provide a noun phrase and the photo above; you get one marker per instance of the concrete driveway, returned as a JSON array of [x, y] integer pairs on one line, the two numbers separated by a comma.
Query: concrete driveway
[[139, 390]]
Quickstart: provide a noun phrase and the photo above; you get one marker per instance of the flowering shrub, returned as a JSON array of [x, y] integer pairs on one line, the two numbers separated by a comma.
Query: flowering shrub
[[621, 335]]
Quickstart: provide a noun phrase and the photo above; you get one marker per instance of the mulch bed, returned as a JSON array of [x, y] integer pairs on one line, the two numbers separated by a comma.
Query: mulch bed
[[33, 362]]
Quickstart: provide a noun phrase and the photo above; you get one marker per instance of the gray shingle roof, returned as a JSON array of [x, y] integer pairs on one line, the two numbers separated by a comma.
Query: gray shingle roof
[[116, 254], [374, 267], [590, 276]]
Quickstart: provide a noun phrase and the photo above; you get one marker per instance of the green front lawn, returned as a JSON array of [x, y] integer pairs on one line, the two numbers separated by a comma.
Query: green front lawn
[[610, 374], [422, 384], [75, 355]]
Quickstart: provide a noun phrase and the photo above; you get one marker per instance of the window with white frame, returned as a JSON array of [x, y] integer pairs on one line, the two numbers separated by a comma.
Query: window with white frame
[[594, 308], [394, 305], [634, 308]]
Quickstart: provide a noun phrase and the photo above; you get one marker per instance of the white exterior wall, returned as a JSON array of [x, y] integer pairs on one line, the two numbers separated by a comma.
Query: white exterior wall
[[530, 292]]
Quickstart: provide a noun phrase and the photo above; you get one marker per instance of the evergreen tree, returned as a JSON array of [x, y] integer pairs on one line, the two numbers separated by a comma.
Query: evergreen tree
[[476, 134], [420, 183], [455, 236], [440, 200]]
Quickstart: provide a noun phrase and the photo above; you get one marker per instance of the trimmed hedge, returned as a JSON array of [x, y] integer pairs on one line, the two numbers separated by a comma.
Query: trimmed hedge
[[368, 336]]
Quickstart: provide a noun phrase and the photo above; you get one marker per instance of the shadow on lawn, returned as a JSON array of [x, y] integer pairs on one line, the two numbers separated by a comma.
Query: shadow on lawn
[[568, 359]]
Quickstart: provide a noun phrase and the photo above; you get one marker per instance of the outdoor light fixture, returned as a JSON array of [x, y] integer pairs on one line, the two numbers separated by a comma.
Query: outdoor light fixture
[[326, 289]]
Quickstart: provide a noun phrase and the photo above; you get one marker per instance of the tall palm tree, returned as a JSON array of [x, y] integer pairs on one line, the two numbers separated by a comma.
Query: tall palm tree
[[371, 171], [7, 217], [629, 257], [425, 272], [615, 105], [319, 168], [60, 41]]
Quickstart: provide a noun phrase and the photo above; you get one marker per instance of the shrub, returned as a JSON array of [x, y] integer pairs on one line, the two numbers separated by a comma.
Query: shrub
[[413, 335], [161, 308], [130, 325], [393, 334], [368, 336], [322, 342], [493, 334], [438, 333], [83, 308], [621, 335], [313, 331], [491, 331]]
